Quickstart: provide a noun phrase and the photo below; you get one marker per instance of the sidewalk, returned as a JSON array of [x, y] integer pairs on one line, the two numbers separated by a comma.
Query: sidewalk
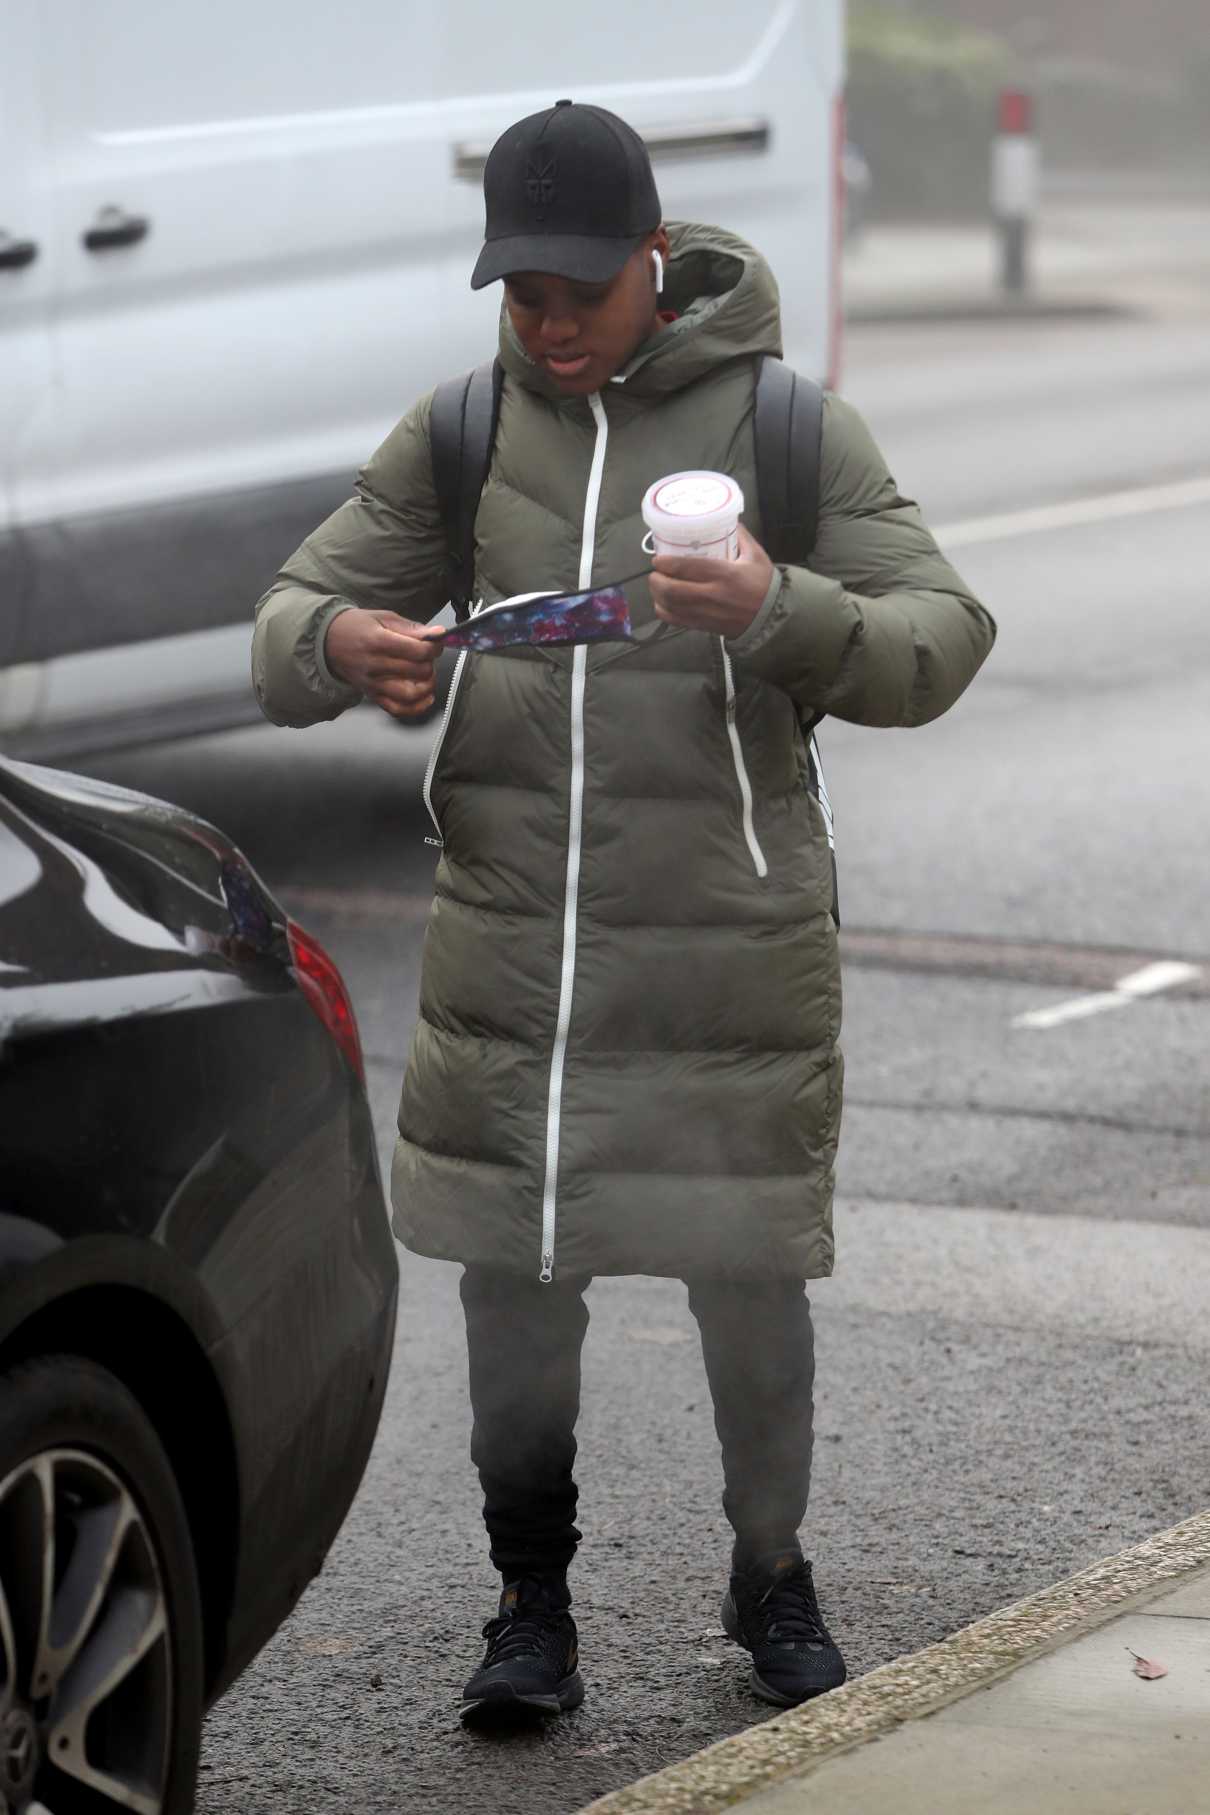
[[1090, 255], [1037, 1707]]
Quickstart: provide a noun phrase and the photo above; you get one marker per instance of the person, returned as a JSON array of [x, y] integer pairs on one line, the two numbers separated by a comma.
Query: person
[[626, 1058]]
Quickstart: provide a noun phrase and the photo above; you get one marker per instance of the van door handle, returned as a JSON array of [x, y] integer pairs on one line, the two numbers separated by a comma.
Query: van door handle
[[16, 252], [114, 227]]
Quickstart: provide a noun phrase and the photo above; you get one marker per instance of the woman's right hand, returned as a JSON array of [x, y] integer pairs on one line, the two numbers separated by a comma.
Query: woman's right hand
[[387, 658]]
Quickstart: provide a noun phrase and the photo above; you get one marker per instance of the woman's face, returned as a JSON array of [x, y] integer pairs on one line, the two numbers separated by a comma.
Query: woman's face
[[581, 334]]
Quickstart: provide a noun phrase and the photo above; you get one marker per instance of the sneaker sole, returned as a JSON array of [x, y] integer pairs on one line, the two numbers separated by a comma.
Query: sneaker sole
[[505, 1701], [767, 1693]]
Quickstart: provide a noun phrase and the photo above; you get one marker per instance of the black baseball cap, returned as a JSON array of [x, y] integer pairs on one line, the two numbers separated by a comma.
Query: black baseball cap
[[568, 191]]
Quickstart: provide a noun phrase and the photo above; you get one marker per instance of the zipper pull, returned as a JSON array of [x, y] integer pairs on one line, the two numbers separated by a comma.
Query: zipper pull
[[548, 1268], [439, 842]]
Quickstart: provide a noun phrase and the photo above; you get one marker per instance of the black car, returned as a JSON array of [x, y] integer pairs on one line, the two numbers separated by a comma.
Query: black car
[[197, 1285]]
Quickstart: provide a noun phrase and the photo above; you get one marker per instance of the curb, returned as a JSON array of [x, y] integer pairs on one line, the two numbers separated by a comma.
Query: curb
[[791, 1744], [943, 311]]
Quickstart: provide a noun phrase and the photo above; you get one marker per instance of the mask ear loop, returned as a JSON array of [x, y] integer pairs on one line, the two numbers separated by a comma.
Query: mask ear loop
[[658, 262]]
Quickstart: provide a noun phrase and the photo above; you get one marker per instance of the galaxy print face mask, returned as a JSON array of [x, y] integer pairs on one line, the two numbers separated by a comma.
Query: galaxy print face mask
[[546, 620]]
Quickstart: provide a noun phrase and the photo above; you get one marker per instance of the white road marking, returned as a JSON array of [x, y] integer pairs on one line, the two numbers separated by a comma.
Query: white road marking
[[1110, 505], [1165, 974]]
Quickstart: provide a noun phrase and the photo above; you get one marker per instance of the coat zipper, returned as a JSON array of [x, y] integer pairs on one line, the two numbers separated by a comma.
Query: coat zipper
[[575, 828], [741, 772], [435, 752]]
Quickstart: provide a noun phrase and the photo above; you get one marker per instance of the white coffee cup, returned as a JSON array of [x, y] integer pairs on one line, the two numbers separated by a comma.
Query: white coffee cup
[[695, 513]]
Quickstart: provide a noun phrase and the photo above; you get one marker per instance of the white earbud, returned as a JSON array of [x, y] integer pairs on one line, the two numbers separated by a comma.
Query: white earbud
[[658, 262]]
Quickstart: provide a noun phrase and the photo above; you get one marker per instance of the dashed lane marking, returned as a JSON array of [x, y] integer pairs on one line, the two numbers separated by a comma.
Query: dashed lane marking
[[1149, 981]]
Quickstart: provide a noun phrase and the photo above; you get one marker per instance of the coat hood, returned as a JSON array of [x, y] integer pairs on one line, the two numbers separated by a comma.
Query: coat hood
[[727, 306]]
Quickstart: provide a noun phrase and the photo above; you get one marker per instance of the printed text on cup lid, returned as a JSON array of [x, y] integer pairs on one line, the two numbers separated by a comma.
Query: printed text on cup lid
[[696, 497]]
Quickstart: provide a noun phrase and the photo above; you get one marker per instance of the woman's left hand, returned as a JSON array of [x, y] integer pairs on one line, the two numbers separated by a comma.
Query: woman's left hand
[[721, 597]]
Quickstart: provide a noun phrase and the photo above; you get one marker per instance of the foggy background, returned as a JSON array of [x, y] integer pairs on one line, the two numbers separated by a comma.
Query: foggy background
[[1121, 92], [1012, 1356]]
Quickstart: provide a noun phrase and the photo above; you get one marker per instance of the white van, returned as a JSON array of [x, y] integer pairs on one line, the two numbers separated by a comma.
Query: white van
[[235, 244]]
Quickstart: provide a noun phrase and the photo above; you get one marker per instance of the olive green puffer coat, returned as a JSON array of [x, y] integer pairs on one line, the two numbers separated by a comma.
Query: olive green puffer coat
[[626, 1059]]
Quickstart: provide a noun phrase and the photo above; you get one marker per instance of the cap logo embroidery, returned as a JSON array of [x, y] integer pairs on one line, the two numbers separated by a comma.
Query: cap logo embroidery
[[540, 181]]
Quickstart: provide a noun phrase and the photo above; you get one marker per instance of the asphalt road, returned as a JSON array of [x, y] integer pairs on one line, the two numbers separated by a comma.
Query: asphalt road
[[1013, 1351]]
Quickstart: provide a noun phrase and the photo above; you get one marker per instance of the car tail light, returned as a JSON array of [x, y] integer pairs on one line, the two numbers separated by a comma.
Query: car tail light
[[836, 299], [321, 983]]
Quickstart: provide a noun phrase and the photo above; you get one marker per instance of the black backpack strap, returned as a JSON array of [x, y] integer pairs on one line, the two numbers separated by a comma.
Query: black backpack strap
[[788, 430], [462, 432]]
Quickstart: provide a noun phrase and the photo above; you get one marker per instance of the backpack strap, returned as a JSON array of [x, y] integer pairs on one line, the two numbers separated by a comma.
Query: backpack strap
[[462, 432], [788, 433], [788, 430]]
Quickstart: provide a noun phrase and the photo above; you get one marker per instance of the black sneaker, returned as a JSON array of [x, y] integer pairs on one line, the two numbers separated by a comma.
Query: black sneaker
[[531, 1654], [770, 1609]]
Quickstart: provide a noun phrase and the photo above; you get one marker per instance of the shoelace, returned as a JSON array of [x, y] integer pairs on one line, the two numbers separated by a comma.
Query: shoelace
[[791, 1611], [513, 1634]]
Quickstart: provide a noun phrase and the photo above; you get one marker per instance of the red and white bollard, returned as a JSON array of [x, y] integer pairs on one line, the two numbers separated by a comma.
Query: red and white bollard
[[1016, 181]]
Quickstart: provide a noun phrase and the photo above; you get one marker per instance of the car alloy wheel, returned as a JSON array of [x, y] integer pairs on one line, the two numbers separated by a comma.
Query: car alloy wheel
[[97, 1715], [83, 1634]]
